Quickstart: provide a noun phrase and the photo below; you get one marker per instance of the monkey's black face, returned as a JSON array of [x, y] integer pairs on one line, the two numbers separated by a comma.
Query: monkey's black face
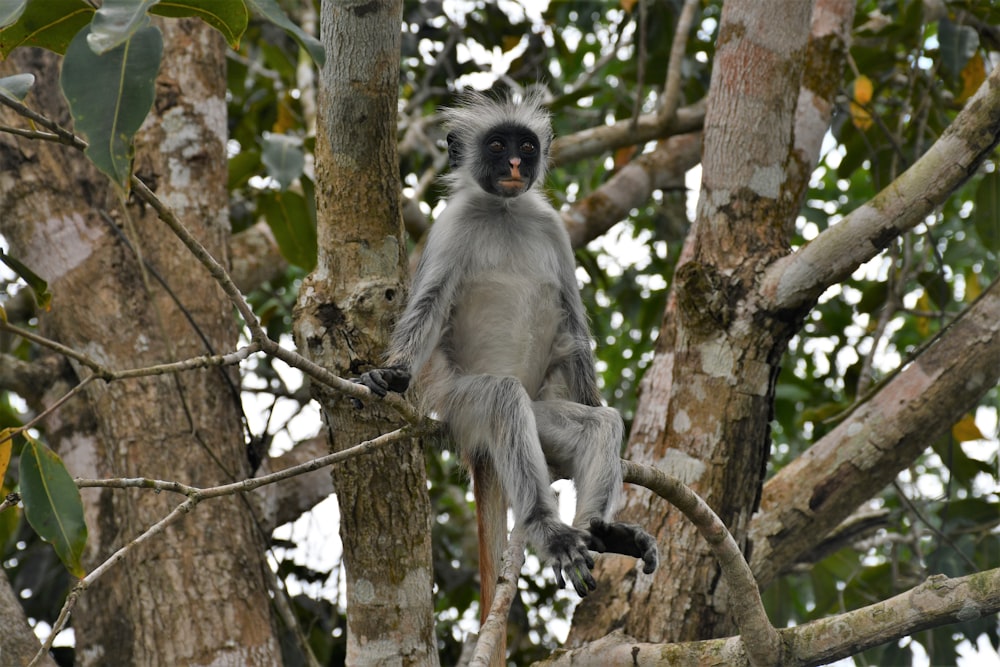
[[507, 161]]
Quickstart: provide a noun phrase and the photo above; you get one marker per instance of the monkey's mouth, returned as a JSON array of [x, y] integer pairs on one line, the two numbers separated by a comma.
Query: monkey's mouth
[[511, 183]]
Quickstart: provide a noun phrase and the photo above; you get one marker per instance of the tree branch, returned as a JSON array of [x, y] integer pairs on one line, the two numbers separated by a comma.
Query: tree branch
[[759, 637], [287, 501], [938, 601], [671, 97], [255, 482], [29, 379], [798, 279], [219, 273], [660, 169], [495, 626], [882, 436], [597, 140]]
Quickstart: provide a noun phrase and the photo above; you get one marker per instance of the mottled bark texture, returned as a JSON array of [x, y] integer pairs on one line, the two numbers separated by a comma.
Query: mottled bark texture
[[706, 401], [197, 595], [343, 318]]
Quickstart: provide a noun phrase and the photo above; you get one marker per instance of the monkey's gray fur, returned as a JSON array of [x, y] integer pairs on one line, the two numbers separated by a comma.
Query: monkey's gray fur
[[496, 336]]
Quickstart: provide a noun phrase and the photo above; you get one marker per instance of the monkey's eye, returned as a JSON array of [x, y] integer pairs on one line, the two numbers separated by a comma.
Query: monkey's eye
[[527, 147], [495, 146]]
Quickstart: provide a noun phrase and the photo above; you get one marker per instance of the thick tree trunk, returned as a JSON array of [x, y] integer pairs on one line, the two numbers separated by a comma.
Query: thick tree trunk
[[344, 315], [705, 409], [198, 594]]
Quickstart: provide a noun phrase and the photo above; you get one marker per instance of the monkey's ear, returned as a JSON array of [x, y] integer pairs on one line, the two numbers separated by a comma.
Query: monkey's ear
[[454, 150]]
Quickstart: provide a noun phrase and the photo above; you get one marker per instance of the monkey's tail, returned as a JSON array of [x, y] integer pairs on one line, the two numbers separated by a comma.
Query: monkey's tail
[[491, 518]]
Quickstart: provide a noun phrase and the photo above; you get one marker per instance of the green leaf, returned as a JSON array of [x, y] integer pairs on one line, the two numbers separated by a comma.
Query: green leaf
[[116, 22], [958, 44], [49, 24], [227, 16], [294, 228], [270, 10], [110, 95], [17, 86], [242, 167], [987, 212], [283, 157], [38, 286], [10, 11], [52, 503]]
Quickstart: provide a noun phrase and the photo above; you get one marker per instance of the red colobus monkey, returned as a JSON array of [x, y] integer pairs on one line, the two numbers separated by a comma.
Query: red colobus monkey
[[495, 335]]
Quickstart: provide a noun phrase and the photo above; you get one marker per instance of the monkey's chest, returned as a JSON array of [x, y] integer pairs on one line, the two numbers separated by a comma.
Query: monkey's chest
[[506, 324]]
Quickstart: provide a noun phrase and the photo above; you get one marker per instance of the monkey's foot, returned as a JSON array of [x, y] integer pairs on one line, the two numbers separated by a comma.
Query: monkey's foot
[[568, 550], [383, 380], [624, 538]]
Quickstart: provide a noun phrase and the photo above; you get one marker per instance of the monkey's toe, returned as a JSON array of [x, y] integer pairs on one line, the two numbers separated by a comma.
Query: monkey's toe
[[627, 539]]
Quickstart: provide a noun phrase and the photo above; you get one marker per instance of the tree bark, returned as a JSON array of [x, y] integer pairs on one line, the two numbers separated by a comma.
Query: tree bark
[[178, 600], [706, 401], [343, 317]]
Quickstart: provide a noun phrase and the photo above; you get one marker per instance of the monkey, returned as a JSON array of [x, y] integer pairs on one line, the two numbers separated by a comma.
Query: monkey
[[495, 335]]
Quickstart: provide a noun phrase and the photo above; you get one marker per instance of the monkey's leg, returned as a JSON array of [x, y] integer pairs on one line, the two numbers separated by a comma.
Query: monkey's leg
[[491, 418], [584, 442]]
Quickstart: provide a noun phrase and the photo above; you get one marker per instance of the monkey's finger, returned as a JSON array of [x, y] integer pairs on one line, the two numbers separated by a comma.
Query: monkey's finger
[[583, 580], [557, 569], [373, 380]]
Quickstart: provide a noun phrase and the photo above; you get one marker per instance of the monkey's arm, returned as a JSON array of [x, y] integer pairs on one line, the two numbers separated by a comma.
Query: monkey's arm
[[581, 375], [419, 329]]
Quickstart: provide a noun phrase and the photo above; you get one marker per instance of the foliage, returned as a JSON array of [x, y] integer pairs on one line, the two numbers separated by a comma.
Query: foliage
[[907, 76]]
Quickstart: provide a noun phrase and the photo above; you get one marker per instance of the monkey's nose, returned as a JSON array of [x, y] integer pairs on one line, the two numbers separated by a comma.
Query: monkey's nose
[[515, 163]]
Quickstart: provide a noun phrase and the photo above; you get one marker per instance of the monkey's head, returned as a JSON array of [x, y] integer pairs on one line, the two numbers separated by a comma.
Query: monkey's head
[[501, 144]]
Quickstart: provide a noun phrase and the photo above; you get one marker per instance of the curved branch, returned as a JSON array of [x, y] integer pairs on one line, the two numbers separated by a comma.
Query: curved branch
[[796, 280], [763, 646], [811, 495]]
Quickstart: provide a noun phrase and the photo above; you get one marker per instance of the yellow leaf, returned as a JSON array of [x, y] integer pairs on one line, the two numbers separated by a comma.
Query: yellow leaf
[[973, 74], [285, 119], [3, 315], [966, 430], [863, 90], [6, 443], [924, 323], [862, 95], [973, 288], [628, 5]]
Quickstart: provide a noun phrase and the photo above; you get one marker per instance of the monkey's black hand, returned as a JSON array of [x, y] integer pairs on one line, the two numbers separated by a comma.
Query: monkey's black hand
[[624, 538], [567, 547], [383, 380]]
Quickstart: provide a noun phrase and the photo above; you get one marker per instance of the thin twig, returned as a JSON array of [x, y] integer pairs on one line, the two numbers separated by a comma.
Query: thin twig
[[195, 496], [672, 86]]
